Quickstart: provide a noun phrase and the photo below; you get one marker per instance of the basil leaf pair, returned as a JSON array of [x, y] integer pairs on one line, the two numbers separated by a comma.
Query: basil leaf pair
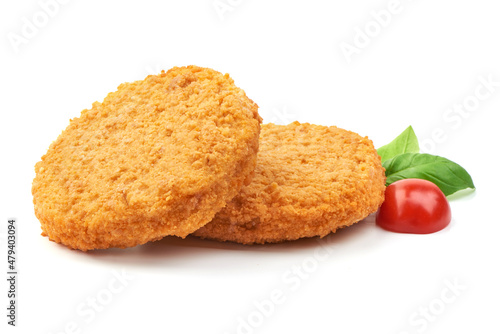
[[401, 160]]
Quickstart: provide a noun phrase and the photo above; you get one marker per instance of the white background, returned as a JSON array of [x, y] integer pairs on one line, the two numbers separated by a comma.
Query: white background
[[287, 56]]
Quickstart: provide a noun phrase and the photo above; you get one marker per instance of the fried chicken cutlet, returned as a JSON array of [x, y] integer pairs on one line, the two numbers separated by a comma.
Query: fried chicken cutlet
[[157, 157], [310, 180]]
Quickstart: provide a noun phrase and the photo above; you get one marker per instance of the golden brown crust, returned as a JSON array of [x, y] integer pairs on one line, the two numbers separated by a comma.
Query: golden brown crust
[[157, 157], [309, 181]]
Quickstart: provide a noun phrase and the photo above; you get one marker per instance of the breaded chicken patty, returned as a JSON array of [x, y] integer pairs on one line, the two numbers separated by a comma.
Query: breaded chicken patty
[[157, 157], [310, 180]]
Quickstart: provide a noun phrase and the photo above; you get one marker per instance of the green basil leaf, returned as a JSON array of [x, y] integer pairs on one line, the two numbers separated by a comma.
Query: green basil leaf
[[406, 142], [447, 175]]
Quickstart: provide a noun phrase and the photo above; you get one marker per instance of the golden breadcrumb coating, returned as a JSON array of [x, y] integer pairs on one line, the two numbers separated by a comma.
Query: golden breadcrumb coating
[[157, 157], [309, 181]]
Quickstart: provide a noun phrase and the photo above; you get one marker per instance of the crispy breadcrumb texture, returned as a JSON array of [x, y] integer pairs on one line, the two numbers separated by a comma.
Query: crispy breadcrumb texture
[[310, 180], [157, 157]]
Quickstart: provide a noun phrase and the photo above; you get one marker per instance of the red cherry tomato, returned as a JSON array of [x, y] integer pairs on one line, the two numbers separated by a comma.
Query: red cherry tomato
[[414, 206]]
